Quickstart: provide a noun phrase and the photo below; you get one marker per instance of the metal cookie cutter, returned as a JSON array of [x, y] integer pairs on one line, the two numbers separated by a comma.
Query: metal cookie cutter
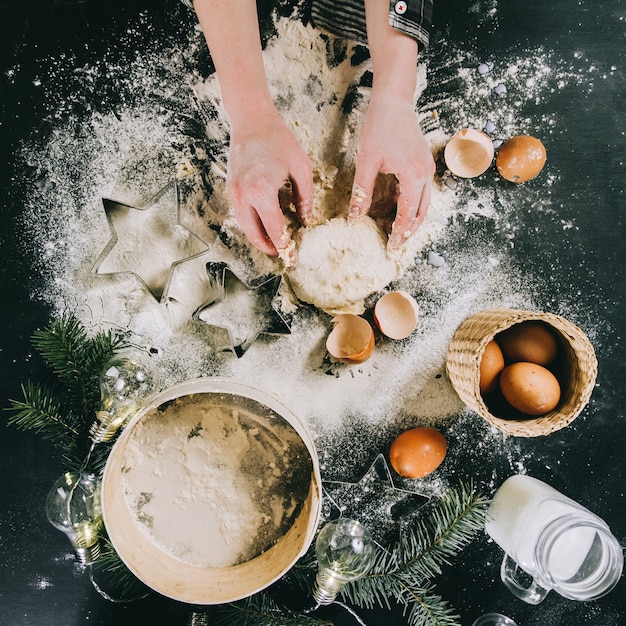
[[374, 499], [244, 309], [137, 231]]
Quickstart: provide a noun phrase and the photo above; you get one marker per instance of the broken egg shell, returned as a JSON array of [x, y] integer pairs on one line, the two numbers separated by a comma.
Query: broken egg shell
[[351, 339], [469, 153], [521, 158], [396, 314]]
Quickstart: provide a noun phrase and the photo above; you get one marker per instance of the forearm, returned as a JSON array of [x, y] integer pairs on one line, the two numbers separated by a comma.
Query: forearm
[[394, 55], [234, 42]]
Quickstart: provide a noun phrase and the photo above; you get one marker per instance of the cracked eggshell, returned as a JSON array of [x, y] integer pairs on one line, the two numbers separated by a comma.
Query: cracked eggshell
[[521, 158], [351, 339], [469, 153], [396, 314]]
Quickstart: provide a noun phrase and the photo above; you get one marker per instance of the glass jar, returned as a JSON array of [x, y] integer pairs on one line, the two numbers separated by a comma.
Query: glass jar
[[562, 545]]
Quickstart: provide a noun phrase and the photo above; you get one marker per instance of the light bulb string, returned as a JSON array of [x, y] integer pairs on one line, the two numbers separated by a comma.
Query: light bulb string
[[344, 606], [85, 463], [350, 610]]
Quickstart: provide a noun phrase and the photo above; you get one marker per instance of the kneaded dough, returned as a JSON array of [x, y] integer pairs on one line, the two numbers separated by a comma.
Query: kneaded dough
[[340, 264]]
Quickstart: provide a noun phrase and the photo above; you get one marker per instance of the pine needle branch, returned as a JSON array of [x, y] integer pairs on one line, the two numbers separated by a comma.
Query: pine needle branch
[[74, 455], [261, 610], [402, 574], [70, 353], [432, 610], [42, 412], [62, 411], [122, 583], [75, 358]]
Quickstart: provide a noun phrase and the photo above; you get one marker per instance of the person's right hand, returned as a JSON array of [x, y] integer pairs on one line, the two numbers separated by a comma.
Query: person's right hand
[[263, 156]]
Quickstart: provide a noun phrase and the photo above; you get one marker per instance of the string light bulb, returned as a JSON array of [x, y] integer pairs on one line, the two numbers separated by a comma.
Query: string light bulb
[[345, 552], [73, 507], [127, 381]]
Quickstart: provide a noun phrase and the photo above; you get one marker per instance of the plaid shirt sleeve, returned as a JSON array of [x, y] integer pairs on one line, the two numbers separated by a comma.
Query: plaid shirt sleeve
[[346, 18]]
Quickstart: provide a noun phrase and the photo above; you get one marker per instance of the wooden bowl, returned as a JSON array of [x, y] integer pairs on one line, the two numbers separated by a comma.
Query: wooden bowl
[[132, 526]]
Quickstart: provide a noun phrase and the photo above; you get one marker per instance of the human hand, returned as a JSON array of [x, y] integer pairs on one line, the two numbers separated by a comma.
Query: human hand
[[391, 142], [263, 156]]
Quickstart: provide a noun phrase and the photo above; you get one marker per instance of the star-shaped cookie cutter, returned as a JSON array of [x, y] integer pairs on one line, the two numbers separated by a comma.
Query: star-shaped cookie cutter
[[374, 500], [245, 309], [148, 242]]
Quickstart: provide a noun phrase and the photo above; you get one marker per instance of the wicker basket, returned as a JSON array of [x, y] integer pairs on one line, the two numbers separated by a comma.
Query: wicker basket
[[577, 370]]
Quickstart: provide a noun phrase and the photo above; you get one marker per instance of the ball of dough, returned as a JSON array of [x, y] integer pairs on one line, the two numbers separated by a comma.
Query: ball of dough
[[341, 263]]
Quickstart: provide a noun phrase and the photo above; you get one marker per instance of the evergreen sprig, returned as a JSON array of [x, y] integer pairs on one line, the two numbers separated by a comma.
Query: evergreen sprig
[[62, 409], [42, 412], [262, 610], [404, 573], [76, 358]]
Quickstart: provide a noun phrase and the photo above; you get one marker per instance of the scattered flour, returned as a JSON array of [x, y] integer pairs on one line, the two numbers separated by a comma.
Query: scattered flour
[[177, 129]]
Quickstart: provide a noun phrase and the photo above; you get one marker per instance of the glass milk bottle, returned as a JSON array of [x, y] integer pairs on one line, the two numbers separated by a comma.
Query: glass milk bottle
[[558, 542]]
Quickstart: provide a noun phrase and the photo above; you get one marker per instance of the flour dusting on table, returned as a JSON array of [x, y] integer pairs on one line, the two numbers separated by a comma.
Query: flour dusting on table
[[175, 128]]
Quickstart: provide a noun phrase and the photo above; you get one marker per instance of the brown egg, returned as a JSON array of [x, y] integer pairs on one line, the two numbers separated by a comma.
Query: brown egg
[[396, 314], [417, 452], [491, 365], [469, 153], [520, 158], [530, 388], [531, 341], [351, 340]]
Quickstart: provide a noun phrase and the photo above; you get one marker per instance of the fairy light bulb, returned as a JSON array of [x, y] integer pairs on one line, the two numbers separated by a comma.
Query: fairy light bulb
[[126, 382], [345, 552], [73, 507]]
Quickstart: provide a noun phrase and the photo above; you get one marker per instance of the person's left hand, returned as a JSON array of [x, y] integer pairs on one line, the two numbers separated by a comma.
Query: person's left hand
[[391, 142]]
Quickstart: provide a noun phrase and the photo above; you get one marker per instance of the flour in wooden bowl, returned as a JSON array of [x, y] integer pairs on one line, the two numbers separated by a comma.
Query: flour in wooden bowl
[[214, 480]]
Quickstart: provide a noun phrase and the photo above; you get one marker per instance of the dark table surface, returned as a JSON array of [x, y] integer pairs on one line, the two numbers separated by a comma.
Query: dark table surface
[[578, 270]]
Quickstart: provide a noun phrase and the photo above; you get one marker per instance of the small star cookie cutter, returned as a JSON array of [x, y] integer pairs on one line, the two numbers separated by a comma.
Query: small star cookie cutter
[[244, 309], [374, 500]]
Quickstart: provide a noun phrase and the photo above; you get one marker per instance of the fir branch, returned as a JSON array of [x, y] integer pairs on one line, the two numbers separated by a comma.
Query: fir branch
[[62, 413], [403, 572], [261, 610], [74, 455], [76, 359], [432, 610], [42, 412], [122, 585], [68, 350]]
